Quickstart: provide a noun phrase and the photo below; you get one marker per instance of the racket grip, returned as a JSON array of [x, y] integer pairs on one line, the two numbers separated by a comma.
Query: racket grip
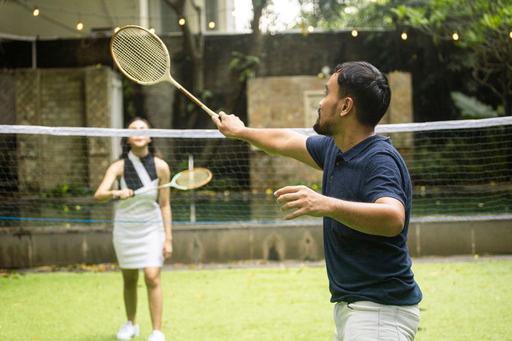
[[195, 100], [209, 111]]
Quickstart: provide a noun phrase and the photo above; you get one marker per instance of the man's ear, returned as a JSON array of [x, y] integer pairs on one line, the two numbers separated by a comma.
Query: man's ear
[[345, 105]]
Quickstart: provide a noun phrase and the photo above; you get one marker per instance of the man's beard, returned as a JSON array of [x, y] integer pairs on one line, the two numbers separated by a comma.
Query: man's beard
[[321, 129]]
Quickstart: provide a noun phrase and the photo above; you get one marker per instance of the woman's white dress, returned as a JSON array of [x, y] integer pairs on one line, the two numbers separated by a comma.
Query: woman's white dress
[[138, 233]]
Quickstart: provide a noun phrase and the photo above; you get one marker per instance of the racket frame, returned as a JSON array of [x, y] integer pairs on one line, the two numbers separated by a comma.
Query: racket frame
[[174, 182], [166, 77]]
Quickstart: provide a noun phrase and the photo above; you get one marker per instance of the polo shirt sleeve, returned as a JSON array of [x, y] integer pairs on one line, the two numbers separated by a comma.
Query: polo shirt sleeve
[[383, 179], [317, 148]]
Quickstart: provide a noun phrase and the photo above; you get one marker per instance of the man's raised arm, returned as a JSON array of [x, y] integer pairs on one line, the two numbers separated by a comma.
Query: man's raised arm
[[283, 142]]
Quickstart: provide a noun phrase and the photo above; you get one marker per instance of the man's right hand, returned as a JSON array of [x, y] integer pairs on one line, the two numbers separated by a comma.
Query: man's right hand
[[229, 125]]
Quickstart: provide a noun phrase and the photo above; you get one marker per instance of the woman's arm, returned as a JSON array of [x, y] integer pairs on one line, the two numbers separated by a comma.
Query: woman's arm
[[105, 191], [164, 176]]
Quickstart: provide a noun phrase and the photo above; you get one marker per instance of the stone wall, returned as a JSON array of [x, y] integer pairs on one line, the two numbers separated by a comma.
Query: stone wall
[[62, 97], [401, 111], [8, 175], [50, 98], [284, 54], [40, 167], [237, 242], [101, 85], [280, 102]]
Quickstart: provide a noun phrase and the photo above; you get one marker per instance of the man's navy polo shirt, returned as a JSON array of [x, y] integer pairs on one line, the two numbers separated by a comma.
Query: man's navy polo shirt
[[363, 267]]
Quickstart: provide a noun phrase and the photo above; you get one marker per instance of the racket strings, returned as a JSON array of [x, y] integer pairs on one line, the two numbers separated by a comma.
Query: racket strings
[[193, 179], [140, 55], [148, 57], [141, 60]]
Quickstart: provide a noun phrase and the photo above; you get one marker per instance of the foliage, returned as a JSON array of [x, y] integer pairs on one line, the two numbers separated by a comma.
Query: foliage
[[334, 14], [67, 190], [244, 66], [484, 47], [472, 108], [483, 28], [129, 100], [453, 158]]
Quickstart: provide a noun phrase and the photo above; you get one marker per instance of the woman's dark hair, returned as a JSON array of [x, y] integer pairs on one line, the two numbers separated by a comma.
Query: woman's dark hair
[[126, 146], [369, 89]]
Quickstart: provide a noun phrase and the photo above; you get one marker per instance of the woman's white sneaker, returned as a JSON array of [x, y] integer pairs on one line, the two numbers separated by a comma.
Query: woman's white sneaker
[[127, 331], [156, 335]]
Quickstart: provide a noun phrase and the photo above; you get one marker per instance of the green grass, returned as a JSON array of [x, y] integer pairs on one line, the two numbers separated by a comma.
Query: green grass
[[462, 301]]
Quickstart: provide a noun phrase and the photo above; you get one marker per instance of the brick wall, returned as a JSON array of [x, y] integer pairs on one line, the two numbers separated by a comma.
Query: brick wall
[[62, 97]]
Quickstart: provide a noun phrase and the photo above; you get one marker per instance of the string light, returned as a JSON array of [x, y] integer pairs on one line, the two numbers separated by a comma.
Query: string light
[[355, 33], [181, 22], [404, 36], [80, 26], [152, 30], [510, 34], [455, 36], [35, 12], [211, 25], [310, 29]]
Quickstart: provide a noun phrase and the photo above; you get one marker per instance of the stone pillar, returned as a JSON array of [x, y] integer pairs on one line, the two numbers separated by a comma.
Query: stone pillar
[[401, 111], [281, 102], [56, 174], [102, 87], [50, 98]]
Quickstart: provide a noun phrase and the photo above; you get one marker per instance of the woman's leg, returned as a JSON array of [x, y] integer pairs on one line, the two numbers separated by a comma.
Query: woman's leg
[[130, 278], [152, 278]]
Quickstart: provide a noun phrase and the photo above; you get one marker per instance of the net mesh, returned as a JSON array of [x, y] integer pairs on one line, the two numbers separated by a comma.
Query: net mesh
[[140, 55], [48, 175]]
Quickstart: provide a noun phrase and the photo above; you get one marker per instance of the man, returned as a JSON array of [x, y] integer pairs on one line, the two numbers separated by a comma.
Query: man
[[365, 202]]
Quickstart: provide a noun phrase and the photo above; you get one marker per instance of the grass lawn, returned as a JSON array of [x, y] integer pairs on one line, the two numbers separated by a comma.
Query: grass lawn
[[462, 301]]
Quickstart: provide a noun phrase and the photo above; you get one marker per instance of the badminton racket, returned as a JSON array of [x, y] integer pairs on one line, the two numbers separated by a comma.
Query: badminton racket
[[143, 57], [184, 180]]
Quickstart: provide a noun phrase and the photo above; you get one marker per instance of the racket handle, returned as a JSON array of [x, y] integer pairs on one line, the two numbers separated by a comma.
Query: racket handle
[[196, 101]]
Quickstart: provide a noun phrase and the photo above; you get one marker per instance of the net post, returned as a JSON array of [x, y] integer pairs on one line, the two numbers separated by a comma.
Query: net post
[[192, 194]]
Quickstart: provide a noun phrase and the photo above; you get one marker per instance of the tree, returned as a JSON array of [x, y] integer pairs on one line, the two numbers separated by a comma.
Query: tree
[[483, 28], [335, 14], [193, 44], [245, 65]]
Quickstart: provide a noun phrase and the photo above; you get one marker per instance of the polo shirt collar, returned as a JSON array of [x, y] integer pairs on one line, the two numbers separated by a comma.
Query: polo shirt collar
[[360, 147]]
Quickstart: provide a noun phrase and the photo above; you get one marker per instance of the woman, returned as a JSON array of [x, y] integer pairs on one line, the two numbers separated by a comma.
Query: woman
[[142, 224]]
